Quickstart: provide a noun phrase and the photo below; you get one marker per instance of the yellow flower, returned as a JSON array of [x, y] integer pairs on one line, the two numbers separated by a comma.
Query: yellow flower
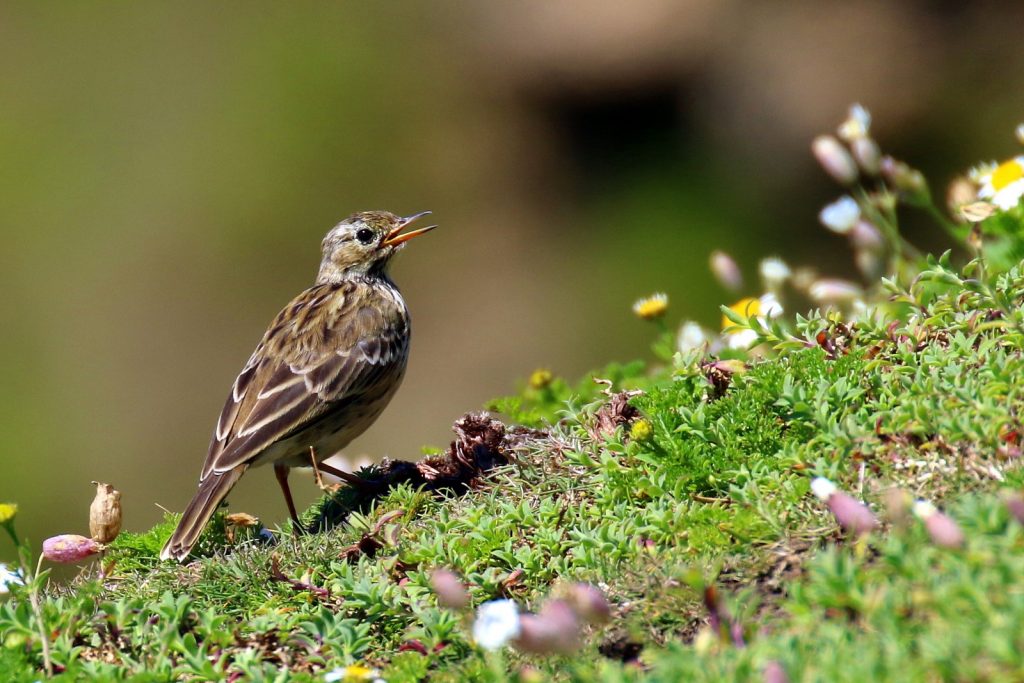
[[651, 307], [8, 511], [541, 378], [641, 430], [352, 674], [1003, 185], [766, 307]]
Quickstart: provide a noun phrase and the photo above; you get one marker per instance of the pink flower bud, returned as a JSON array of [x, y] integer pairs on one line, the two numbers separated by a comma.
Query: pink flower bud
[[589, 603], [774, 673], [451, 592], [553, 630], [868, 156], [865, 236], [1015, 504], [851, 514], [943, 531], [834, 291], [834, 158], [68, 548], [725, 270]]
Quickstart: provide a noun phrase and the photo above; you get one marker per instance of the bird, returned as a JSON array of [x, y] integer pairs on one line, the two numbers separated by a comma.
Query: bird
[[325, 369]]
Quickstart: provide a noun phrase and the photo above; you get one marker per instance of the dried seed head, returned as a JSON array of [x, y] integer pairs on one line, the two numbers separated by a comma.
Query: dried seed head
[[105, 513], [69, 548]]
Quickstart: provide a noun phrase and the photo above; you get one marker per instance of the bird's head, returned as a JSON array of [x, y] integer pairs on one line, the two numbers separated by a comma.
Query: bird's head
[[363, 243]]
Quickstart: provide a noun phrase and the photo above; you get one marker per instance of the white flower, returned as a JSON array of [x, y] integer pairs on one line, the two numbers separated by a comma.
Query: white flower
[[822, 488], [841, 215], [691, 337], [856, 125], [762, 309], [1003, 185], [834, 158], [770, 306], [497, 622], [1019, 132], [774, 272], [8, 578]]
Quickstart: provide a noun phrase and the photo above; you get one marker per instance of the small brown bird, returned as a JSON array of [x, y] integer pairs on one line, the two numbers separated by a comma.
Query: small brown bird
[[325, 369]]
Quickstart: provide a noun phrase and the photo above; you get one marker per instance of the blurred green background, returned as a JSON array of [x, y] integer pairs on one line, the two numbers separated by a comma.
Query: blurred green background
[[168, 172]]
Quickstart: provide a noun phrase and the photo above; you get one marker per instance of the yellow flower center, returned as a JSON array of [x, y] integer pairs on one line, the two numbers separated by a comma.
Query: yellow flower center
[[748, 307], [1006, 173], [652, 307]]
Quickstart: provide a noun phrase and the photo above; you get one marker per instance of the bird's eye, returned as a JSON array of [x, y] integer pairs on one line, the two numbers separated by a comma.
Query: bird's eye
[[365, 235]]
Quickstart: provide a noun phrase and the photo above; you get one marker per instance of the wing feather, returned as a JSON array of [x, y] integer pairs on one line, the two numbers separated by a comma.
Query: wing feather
[[323, 348]]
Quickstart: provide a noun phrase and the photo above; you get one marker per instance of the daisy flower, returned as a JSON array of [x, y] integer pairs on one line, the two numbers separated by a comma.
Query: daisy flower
[[651, 307], [353, 674], [1003, 185]]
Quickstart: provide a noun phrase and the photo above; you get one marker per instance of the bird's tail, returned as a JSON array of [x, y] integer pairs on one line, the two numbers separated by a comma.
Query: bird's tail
[[212, 491]]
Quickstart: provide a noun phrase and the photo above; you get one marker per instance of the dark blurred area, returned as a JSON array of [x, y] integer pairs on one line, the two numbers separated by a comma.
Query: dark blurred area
[[169, 171]]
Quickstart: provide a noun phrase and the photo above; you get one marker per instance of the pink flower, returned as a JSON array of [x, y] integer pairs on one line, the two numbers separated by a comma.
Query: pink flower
[[451, 593], [68, 548], [943, 531], [589, 603], [851, 514], [1015, 504], [553, 630]]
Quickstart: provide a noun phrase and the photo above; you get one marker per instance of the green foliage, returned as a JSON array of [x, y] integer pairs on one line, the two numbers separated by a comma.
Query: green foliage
[[708, 488]]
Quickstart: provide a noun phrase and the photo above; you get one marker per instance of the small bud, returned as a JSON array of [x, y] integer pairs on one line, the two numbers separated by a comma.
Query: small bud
[[943, 531], [857, 124], [961, 191], [8, 511], [841, 215], [904, 178], [834, 291], [451, 593], [774, 273], [851, 514], [868, 156], [651, 307], [1019, 133], [105, 513], [589, 603], [866, 237], [1015, 504], [68, 548], [541, 378], [774, 673], [834, 158], [553, 630], [725, 270], [640, 430], [869, 263]]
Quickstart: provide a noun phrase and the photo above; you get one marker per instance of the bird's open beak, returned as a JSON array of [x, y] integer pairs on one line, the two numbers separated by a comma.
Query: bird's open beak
[[396, 236]]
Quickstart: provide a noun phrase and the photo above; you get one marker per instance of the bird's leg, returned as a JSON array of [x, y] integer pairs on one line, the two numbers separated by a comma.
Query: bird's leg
[[316, 469], [347, 477], [281, 472]]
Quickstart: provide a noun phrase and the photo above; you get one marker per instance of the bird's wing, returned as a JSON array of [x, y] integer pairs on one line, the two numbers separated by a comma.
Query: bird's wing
[[327, 346]]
